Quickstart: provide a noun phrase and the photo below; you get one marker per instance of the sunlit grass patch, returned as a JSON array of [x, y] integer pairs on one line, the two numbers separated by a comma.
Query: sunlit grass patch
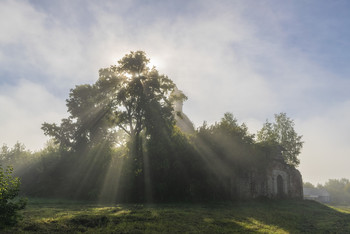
[[344, 209], [208, 220], [255, 225], [228, 217], [120, 212]]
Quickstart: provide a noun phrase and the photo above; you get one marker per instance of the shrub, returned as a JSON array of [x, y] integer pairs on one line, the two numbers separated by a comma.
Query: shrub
[[9, 203]]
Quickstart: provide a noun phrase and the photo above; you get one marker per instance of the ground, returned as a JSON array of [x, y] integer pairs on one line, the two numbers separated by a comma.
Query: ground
[[50, 216]]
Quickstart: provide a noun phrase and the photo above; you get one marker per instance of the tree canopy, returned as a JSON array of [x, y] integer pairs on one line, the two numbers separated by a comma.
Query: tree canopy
[[128, 96], [282, 133], [129, 100]]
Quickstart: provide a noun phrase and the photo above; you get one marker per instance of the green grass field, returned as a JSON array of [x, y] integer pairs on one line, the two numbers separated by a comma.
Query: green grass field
[[54, 216]]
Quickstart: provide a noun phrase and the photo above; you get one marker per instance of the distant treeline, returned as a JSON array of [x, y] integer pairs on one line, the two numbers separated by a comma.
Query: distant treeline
[[339, 190]]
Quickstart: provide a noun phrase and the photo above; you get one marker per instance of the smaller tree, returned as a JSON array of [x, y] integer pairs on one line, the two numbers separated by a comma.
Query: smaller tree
[[282, 133], [17, 156], [9, 189]]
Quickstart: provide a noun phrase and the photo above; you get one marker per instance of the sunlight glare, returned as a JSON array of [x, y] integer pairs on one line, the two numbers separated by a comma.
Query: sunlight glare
[[153, 63]]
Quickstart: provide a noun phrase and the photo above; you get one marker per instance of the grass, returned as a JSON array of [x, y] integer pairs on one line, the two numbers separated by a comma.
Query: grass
[[56, 216]]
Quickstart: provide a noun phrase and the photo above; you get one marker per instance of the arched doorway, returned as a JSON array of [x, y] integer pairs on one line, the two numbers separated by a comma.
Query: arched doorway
[[280, 190]]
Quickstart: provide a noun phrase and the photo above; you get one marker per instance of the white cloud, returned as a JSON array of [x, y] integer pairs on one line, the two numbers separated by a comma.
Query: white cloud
[[18, 21], [23, 109], [34, 41]]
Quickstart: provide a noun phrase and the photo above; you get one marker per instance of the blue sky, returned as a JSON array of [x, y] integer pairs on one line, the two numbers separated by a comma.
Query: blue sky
[[251, 58]]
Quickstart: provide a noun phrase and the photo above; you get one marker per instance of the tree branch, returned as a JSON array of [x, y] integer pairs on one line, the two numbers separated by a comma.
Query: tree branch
[[125, 130]]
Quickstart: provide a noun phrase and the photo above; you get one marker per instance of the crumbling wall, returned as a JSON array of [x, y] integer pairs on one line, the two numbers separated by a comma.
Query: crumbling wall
[[292, 180], [296, 184], [251, 184], [254, 183]]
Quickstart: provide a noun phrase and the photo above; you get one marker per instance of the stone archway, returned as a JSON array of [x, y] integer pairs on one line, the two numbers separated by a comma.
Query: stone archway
[[280, 186]]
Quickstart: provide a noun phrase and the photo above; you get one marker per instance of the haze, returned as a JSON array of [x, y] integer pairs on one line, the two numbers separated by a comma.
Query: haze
[[251, 58]]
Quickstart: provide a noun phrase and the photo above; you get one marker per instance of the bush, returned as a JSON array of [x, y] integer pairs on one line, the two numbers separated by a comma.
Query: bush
[[9, 203]]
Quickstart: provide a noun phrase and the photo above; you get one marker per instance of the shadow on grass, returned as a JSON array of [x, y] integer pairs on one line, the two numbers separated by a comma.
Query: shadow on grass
[[295, 217], [242, 217]]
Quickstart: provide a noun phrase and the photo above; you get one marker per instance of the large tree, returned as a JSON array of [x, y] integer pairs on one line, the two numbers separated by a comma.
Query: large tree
[[128, 96], [282, 133], [139, 96]]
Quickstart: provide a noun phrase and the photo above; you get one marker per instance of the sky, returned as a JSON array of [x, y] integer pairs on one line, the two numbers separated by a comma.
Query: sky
[[251, 58]]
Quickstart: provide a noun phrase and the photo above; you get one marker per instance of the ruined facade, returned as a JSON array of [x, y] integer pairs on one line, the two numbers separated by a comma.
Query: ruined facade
[[276, 180]]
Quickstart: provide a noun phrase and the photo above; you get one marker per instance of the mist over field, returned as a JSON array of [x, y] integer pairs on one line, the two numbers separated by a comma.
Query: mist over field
[[195, 116], [253, 59]]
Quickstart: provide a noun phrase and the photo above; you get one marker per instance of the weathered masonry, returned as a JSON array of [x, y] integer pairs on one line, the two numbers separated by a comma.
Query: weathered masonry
[[278, 180]]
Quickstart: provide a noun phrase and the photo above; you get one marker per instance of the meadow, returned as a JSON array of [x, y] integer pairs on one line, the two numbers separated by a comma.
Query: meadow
[[284, 216]]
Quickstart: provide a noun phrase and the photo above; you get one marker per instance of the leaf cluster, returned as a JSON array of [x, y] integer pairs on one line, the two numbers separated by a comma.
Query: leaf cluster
[[128, 96], [282, 133], [9, 189]]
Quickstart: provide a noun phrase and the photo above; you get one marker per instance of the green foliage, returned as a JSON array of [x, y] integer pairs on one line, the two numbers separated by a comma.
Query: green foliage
[[120, 143], [67, 174], [170, 166], [17, 156], [226, 150], [88, 123], [282, 133], [127, 97], [9, 189], [176, 169], [227, 143]]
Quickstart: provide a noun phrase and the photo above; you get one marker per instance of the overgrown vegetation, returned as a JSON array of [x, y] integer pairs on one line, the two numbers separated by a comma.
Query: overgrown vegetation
[[282, 133], [50, 216], [9, 203], [120, 143]]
